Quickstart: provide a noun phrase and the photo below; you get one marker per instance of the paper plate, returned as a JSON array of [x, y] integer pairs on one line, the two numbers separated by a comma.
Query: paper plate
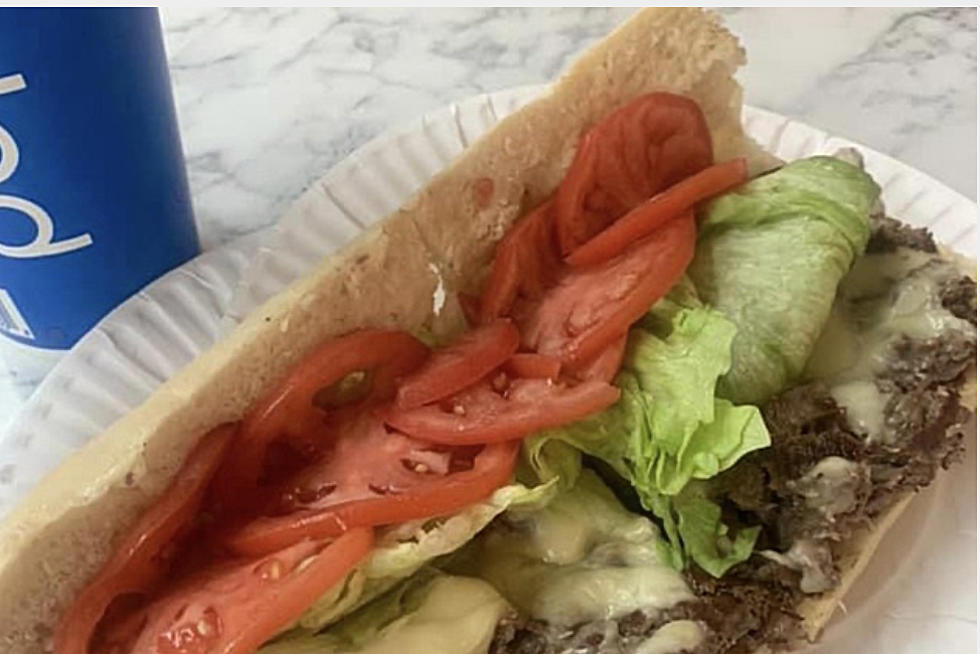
[[917, 595]]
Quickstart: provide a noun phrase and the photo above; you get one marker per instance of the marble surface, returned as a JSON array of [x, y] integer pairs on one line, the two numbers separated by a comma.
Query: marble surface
[[269, 99]]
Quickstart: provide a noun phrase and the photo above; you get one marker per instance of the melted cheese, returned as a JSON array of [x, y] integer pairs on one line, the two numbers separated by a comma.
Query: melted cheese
[[813, 559], [572, 594], [884, 297], [865, 406], [830, 486], [582, 558], [559, 537], [458, 616], [677, 636]]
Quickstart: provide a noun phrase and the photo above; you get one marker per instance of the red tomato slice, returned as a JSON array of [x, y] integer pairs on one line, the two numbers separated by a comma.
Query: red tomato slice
[[287, 414], [635, 152], [470, 358], [140, 559], [592, 307], [482, 415], [606, 366], [533, 366], [120, 627], [235, 606], [647, 217], [526, 262], [375, 476]]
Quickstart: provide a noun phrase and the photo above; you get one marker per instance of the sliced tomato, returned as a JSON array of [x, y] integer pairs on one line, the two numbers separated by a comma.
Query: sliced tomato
[[648, 216], [594, 306], [289, 414], [234, 607], [635, 152], [375, 476], [482, 414], [469, 358], [142, 556], [526, 262], [120, 627], [530, 365], [606, 365]]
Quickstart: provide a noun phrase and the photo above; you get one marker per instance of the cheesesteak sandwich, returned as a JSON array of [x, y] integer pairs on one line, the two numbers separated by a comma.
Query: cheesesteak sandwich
[[617, 380]]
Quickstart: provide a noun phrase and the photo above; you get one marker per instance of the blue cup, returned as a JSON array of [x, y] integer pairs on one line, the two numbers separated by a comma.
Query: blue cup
[[94, 201]]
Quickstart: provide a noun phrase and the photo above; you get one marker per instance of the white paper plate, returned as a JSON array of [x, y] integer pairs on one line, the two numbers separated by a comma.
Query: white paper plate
[[116, 365], [917, 596]]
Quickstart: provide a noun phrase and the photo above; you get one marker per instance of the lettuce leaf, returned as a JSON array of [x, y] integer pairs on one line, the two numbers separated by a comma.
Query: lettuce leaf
[[403, 550], [668, 428], [693, 518], [675, 386], [770, 256], [549, 461], [364, 625], [717, 445]]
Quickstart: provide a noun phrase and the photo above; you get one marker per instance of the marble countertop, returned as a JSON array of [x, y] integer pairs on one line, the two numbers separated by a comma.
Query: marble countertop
[[269, 99]]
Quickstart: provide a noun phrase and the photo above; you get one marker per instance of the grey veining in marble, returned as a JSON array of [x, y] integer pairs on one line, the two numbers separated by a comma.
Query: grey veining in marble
[[269, 99]]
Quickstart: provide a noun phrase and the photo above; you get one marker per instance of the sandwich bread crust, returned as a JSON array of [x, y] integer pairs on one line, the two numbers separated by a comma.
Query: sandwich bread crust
[[57, 537]]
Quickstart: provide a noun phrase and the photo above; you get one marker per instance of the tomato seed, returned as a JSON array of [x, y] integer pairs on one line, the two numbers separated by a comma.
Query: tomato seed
[[270, 570]]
